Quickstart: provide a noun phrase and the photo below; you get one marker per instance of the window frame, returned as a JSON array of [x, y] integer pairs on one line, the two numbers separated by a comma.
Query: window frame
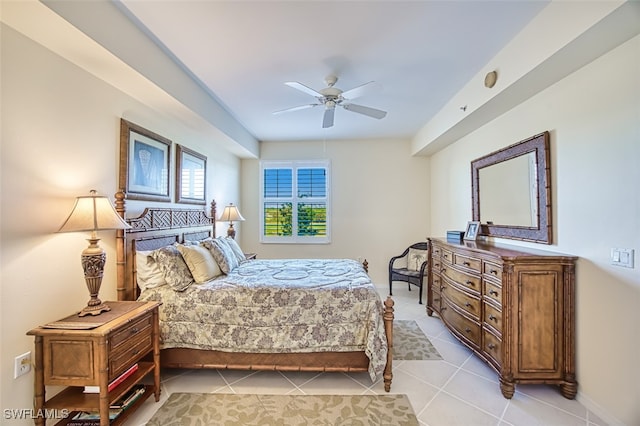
[[294, 165]]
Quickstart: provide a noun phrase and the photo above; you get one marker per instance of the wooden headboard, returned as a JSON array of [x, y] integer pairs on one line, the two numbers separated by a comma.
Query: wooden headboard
[[156, 227]]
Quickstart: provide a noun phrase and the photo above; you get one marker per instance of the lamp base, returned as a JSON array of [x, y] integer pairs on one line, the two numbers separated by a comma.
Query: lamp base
[[93, 259], [231, 232], [94, 310]]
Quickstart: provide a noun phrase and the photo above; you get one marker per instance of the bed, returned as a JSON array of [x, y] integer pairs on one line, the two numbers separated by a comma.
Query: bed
[[282, 314]]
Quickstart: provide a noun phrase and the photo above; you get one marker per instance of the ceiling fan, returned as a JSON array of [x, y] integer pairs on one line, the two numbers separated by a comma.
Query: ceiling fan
[[331, 97]]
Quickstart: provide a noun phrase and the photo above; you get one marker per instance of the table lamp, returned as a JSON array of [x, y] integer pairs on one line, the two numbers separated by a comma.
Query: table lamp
[[93, 213], [230, 214]]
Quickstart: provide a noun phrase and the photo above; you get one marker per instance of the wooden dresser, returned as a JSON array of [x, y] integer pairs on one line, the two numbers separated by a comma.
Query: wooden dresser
[[512, 306]]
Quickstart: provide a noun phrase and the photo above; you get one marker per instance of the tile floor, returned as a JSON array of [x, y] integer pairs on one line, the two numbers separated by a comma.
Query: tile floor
[[459, 390]]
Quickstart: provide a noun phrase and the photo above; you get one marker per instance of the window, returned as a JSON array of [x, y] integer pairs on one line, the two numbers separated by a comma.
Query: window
[[295, 202]]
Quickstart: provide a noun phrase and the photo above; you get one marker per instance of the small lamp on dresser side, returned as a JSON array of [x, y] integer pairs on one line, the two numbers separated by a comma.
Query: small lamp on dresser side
[[231, 214], [93, 213]]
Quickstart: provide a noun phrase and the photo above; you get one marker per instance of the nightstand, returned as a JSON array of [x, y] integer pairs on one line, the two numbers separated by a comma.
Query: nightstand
[[251, 256], [93, 351]]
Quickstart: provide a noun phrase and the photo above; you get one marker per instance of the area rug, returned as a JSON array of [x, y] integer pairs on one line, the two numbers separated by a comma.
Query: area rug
[[232, 409], [410, 343]]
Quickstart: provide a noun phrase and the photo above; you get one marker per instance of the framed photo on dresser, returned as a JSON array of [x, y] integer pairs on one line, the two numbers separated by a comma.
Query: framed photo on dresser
[[473, 228]]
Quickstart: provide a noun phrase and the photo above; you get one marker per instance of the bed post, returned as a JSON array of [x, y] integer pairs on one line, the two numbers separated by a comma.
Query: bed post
[[388, 327], [121, 256], [213, 217]]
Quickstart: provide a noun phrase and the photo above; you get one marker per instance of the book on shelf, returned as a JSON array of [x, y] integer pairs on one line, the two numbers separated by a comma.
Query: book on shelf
[[129, 398], [90, 416], [115, 382]]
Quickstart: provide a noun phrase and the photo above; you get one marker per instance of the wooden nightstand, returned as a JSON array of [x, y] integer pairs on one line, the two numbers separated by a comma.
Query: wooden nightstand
[[68, 355]]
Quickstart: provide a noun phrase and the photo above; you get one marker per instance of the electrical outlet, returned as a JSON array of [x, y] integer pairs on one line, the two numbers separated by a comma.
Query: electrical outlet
[[22, 365]]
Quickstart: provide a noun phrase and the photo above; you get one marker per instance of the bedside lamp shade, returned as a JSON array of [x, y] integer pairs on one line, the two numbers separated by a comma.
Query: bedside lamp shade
[[231, 214], [93, 213]]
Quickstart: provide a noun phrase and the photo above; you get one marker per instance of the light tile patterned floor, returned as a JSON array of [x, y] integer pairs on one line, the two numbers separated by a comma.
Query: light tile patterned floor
[[459, 390]]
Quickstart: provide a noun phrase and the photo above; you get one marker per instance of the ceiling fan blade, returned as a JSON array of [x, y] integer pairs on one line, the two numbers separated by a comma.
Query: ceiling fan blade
[[304, 89], [356, 92], [295, 108], [370, 112], [327, 121]]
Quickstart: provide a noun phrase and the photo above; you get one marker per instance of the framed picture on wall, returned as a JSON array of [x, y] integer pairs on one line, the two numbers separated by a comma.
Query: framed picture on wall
[[473, 228], [144, 163], [191, 176]]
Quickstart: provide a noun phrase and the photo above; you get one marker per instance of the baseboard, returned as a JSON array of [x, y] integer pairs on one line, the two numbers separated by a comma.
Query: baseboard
[[596, 409]]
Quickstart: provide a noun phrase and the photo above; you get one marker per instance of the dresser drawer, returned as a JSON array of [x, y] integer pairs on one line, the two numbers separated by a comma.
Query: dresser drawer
[[466, 328], [436, 298], [436, 251], [492, 270], [469, 281], [492, 317], [492, 347], [492, 291], [141, 326], [462, 299], [447, 256], [467, 262], [436, 264], [123, 359]]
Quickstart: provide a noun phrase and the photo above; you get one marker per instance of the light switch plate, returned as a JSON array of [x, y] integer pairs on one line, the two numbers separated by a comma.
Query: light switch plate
[[622, 257]]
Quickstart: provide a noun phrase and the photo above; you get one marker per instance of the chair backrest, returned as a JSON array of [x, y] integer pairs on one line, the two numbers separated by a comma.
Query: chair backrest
[[420, 246]]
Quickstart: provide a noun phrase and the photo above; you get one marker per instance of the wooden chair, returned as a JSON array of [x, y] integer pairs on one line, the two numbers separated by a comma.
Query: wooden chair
[[410, 266]]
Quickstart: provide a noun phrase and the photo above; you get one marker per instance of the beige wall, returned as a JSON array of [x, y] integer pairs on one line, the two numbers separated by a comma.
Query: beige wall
[[379, 200], [594, 119], [60, 138]]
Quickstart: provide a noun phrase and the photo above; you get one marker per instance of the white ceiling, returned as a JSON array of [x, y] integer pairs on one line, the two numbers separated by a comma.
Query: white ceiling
[[420, 53]]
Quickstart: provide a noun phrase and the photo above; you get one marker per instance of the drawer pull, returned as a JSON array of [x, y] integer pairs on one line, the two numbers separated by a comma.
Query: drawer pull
[[135, 352], [492, 317], [444, 270], [491, 346], [466, 263], [446, 256], [471, 283], [493, 271], [493, 292], [468, 305], [467, 330], [134, 330], [442, 288]]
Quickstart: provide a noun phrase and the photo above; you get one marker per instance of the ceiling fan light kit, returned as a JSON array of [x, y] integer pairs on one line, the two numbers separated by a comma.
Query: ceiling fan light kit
[[331, 97]]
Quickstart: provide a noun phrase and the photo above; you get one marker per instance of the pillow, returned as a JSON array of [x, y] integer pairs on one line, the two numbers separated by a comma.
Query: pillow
[[202, 265], [195, 242], [223, 254], [148, 273], [415, 258], [175, 270], [235, 248]]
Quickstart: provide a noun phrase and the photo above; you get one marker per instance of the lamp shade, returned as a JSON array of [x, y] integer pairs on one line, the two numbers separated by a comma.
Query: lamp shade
[[93, 213], [230, 214]]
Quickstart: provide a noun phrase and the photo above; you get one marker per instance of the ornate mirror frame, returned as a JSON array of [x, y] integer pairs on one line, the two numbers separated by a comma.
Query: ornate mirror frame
[[542, 233]]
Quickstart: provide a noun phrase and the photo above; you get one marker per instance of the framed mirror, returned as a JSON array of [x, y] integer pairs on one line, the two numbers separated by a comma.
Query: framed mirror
[[511, 191]]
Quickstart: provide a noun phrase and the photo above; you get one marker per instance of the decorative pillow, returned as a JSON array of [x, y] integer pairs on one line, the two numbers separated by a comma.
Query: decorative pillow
[[196, 242], [175, 270], [201, 263], [148, 274], [223, 254], [235, 248], [415, 258]]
